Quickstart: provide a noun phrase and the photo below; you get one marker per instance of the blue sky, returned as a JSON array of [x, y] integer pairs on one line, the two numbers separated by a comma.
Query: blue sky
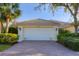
[[28, 13]]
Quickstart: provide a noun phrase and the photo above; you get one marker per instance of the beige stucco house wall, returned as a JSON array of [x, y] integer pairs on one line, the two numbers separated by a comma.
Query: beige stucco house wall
[[70, 28]]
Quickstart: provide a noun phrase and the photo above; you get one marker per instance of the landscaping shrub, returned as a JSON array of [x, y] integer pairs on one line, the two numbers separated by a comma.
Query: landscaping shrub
[[13, 30], [70, 40], [61, 38], [72, 43], [62, 35], [8, 38]]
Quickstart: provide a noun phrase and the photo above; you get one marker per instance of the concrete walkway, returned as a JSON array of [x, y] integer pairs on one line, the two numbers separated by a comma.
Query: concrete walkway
[[38, 48]]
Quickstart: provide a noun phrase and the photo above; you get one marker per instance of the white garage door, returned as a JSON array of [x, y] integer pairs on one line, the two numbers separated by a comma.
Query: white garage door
[[40, 33]]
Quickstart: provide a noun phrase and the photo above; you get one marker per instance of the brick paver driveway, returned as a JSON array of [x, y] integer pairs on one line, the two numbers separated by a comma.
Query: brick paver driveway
[[38, 48]]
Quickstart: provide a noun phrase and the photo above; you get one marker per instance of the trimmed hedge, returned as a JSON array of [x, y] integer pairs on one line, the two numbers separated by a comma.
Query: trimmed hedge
[[72, 43], [70, 40], [8, 38]]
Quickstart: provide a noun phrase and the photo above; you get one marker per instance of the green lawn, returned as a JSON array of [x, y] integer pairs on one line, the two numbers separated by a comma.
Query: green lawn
[[4, 47]]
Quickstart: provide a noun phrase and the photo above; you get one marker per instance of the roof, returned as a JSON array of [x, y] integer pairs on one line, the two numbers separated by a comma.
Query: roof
[[41, 22]]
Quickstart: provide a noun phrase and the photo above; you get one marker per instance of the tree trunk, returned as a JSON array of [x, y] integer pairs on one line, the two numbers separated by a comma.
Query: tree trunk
[[0, 27], [76, 27], [7, 25], [75, 24]]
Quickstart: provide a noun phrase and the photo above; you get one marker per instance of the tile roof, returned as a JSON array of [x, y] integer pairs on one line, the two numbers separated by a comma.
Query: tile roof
[[41, 22]]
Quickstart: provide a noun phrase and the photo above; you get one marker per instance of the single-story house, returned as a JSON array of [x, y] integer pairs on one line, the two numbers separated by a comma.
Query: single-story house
[[38, 29]]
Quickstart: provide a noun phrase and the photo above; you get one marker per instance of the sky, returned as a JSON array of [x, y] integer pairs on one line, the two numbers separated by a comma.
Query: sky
[[28, 12]]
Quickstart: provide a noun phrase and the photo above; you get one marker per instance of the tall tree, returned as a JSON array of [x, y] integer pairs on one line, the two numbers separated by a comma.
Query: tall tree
[[10, 11], [72, 8]]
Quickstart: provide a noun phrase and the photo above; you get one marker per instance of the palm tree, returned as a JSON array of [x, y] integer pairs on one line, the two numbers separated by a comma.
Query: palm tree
[[2, 20], [73, 8], [10, 11]]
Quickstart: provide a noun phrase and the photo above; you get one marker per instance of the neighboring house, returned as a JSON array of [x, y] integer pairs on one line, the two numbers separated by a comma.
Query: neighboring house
[[39, 29], [70, 27]]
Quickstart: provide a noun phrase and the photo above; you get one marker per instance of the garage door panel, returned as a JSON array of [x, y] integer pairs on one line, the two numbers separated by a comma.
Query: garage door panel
[[40, 33]]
